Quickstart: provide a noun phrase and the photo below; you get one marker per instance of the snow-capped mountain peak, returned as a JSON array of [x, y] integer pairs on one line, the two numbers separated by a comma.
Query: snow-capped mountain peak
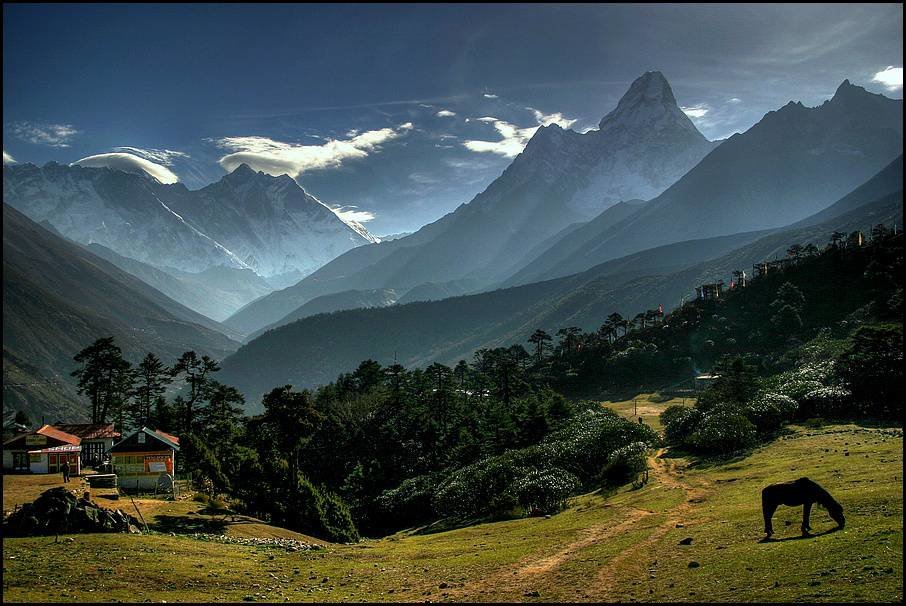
[[648, 109], [247, 219]]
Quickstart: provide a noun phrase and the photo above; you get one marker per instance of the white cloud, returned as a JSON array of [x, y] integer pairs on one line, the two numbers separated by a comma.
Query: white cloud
[[696, 111], [160, 156], [512, 143], [890, 78], [490, 96], [445, 113], [548, 119], [54, 135], [129, 163], [278, 158], [514, 138], [7, 159], [735, 100], [352, 213]]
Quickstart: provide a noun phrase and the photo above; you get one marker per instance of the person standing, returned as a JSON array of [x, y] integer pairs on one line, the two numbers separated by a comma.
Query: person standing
[[65, 469]]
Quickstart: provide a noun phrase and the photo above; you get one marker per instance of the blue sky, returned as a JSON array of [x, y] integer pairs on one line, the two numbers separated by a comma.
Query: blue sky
[[397, 114]]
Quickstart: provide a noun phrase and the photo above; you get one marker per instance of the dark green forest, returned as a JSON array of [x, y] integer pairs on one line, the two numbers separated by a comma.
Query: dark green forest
[[516, 430]]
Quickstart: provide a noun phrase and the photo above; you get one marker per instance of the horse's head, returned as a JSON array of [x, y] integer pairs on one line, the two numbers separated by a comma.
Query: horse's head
[[836, 512]]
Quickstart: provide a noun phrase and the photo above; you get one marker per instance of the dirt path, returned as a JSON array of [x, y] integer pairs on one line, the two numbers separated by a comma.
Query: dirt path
[[609, 576], [528, 573]]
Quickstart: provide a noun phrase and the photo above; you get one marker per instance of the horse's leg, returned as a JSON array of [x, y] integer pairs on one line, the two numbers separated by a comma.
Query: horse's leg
[[768, 508], [806, 510]]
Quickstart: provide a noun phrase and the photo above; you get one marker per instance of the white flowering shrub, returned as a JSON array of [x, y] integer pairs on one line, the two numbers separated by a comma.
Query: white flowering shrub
[[768, 411], [828, 402], [722, 432], [411, 500], [625, 464], [679, 422], [571, 457], [546, 491]]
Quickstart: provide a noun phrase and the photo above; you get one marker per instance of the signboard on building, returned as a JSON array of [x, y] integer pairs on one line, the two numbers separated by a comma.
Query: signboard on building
[[35, 439]]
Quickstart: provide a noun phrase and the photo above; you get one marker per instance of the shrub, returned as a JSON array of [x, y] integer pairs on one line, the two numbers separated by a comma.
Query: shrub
[[827, 402], [544, 491], [769, 411], [723, 432], [589, 439], [625, 464], [872, 369], [581, 449], [337, 520], [679, 422], [316, 512], [409, 503], [479, 488]]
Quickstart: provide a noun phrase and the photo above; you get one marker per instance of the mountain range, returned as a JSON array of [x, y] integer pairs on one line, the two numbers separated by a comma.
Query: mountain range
[[622, 218], [247, 221], [58, 298], [561, 177], [529, 226], [316, 349]]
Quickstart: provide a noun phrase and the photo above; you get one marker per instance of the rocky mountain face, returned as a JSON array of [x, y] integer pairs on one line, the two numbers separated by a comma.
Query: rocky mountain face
[[58, 298], [270, 223], [247, 220], [446, 331], [783, 169], [562, 177]]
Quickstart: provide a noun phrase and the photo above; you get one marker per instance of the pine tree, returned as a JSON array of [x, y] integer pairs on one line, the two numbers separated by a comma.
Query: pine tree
[[152, 377]]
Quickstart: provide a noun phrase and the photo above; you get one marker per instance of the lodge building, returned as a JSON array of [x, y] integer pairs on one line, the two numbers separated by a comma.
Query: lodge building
[[43, 450], [97, 439], [140, 458]]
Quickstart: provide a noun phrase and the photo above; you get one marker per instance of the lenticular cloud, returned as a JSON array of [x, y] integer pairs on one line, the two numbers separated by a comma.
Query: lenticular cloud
[[129, 163]]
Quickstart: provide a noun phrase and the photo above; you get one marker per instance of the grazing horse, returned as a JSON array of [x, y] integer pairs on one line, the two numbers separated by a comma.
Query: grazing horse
[[798, 492]]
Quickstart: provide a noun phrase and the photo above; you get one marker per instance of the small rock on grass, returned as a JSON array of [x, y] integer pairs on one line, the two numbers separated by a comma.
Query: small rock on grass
[[694, 564]]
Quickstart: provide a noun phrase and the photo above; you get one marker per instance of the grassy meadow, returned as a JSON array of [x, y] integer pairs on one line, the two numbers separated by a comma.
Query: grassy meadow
[[623, 546]]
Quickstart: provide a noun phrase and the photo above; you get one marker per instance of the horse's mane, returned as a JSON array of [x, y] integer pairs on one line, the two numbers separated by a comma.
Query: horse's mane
[[824, 497]]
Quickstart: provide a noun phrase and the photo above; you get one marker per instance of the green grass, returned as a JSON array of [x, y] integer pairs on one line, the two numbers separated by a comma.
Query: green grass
[[641, 405], [617, 547]]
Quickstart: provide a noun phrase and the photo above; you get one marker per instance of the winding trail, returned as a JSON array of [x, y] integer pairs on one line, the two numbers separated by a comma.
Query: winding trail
[[537, 571], [610, 575]]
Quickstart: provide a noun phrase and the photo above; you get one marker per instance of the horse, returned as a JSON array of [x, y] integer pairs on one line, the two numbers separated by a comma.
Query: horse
[[803, 492]]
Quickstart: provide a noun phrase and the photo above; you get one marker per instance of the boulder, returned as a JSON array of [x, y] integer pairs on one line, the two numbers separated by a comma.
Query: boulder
[[58, 511]]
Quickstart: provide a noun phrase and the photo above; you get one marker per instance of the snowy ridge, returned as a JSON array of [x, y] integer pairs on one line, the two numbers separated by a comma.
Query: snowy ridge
[[247, 220]]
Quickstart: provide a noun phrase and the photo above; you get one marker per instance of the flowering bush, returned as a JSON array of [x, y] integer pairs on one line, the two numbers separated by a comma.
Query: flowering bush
[[590, 438], [410, 501], [625, 464], [769, 411], [722, 432], [829, 402], [566, 460], [679, 422], [544, 491]]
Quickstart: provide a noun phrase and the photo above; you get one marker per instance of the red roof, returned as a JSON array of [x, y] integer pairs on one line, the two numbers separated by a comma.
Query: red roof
[[52, 432], [89, 431], [49, 432], [170, 437]]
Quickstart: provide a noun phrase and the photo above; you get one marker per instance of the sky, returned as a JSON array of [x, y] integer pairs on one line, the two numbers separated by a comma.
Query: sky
[[394, 115]]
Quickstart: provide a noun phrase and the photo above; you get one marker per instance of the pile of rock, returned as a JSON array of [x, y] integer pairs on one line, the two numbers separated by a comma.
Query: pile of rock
[[58, 511], [280, 543]]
